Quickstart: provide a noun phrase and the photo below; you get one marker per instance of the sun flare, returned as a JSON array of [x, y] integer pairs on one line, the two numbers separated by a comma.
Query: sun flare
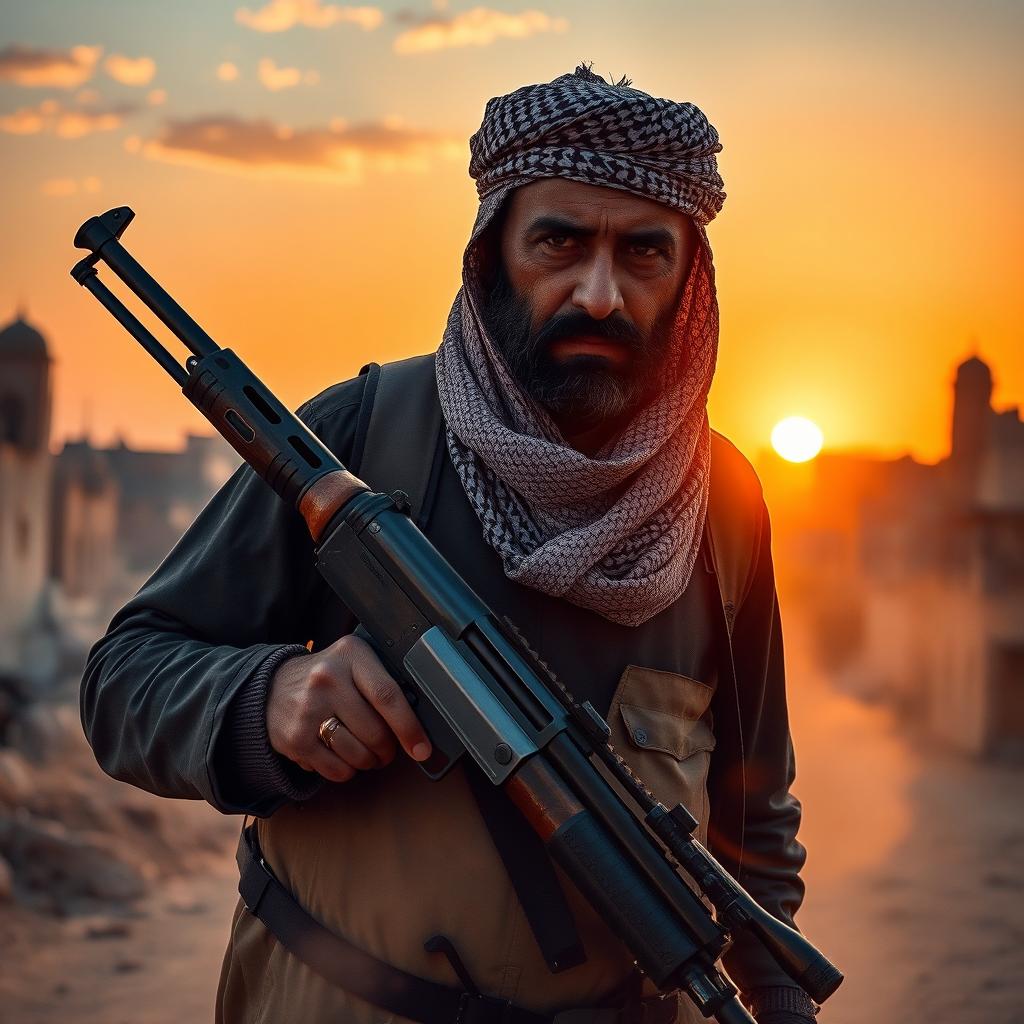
[[797, 439]]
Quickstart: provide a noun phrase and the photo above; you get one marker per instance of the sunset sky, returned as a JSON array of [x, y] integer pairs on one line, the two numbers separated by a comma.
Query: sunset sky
[[298, 170]]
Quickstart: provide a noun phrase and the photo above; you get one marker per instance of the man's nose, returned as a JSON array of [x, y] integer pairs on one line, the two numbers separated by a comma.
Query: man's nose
[[597, 291]]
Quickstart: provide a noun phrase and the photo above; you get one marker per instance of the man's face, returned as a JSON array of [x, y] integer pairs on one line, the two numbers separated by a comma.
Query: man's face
[[585, 294]]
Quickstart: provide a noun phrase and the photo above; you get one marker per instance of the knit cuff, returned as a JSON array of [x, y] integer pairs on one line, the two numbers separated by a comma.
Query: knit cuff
[[781, 1005], [261, 772]]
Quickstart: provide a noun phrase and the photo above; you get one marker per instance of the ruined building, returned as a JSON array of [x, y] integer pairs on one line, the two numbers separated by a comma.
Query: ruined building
[[912, 575], [79, 530], [25, 476]]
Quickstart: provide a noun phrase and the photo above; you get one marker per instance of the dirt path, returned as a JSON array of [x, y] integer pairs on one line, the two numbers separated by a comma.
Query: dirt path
[[915, 872], [159, 967]]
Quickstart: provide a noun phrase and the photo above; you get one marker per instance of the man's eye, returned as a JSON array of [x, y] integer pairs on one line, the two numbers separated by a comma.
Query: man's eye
[[645, 251], [558, 241]]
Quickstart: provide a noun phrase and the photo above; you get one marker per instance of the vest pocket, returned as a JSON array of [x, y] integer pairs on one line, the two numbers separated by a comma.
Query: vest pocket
[[661, 725]]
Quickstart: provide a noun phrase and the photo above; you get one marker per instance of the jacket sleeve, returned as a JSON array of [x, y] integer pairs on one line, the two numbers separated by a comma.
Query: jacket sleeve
[[185, 661], [766, 858]]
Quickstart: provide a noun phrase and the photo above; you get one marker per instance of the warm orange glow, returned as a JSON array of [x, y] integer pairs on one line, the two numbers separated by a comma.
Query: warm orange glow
[[797, 439], [309, 230]]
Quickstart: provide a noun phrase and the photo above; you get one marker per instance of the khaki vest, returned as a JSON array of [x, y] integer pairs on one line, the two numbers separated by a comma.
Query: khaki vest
[[391, 857]]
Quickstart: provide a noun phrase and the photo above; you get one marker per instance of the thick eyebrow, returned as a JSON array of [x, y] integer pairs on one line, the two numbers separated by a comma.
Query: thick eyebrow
[[654, 237]]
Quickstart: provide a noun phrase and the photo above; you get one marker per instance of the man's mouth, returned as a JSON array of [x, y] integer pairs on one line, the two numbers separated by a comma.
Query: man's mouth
[[614, 351]]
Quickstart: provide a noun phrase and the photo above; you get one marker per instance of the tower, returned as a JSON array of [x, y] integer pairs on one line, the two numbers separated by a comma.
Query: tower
[[24, 388], [972, 415], [25, 467]]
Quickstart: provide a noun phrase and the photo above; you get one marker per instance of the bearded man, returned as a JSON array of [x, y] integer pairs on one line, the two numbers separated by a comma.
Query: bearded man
[[576, 484]]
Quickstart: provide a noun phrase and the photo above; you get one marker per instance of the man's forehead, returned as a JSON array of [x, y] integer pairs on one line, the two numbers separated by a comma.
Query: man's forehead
[[588, 204]]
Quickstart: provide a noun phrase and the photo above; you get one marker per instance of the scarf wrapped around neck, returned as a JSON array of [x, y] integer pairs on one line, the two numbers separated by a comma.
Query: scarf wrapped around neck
[[617, 532]]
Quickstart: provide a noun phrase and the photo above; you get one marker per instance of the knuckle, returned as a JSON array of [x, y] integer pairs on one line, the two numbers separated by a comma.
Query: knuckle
[[320, 676], [349, 646], [385, 693]]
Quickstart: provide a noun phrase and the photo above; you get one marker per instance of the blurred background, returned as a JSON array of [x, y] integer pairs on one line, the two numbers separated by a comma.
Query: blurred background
[[298, 169]]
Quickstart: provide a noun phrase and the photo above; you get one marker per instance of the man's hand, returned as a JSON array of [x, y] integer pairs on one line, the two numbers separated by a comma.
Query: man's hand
[[346, 680]]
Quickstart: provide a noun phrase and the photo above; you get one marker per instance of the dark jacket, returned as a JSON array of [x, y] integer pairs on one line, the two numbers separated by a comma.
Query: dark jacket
[[173, 701]]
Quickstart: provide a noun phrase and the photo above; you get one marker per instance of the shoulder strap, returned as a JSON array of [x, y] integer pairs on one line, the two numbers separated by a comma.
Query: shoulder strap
[[734, 522], [402, 442], [733, 531]]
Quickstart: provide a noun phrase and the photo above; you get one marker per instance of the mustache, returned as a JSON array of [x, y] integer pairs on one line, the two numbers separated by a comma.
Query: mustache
[[577, 323]]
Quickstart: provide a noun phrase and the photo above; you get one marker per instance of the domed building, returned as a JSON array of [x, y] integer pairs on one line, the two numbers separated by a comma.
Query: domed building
[[25, 477]]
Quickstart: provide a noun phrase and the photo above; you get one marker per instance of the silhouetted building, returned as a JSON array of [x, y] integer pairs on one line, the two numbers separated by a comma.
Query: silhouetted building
[[972, 418], [160, 493], [80, 530], [24, 493], [84, 557], [913, 574]]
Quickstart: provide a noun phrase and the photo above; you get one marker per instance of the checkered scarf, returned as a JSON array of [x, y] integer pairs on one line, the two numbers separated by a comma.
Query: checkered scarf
[[617, 532]]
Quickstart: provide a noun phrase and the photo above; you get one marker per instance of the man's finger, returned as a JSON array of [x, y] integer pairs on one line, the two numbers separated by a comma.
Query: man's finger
[[363, 722], [326, 763], [385, 695], [350, 749]]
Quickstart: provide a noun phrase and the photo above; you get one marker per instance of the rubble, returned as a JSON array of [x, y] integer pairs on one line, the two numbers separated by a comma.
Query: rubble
[[75, 843]]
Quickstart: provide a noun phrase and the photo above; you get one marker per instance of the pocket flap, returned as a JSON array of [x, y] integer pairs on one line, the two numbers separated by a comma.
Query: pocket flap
[[661, 730], [664, 691]]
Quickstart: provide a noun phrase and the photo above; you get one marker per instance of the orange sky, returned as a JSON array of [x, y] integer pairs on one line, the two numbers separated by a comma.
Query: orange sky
[[872, 163]]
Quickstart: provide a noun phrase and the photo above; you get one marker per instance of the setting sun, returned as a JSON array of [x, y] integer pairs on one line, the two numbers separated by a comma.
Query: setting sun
[[797, 439]]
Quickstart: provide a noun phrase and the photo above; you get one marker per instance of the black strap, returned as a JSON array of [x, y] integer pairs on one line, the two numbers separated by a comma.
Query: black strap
[[532, 874], [371, 371], [403, 420], [394, 990], [353, 969]]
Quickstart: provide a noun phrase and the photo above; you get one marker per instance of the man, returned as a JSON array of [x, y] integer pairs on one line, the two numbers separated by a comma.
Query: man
[[573, 377]]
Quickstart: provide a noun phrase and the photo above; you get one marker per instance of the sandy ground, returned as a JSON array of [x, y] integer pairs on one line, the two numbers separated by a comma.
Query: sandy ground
[[156, 967], [915, 889]]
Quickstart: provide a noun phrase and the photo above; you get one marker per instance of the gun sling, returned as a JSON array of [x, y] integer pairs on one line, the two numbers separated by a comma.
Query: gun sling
[[395, 990]]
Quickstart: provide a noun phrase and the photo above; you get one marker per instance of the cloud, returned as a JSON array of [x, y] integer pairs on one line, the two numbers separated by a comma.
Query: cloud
[[281, 15], [58, 69], [341, 153], [130, 70], [480, 26], [274, 78], [66, 122], [61, 187], [227, 72]]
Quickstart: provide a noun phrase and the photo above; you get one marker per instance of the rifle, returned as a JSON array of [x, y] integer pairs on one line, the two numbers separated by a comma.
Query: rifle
[[477, 687]]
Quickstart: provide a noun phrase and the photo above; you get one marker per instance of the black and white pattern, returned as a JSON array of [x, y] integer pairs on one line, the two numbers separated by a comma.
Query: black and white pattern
[[618, 532]]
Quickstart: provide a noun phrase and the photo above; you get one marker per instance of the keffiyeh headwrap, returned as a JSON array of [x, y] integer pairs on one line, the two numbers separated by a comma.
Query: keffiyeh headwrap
[[618, 532]]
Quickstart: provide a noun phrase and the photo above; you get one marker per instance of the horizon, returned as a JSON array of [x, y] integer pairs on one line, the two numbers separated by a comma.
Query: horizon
[[119, 436]]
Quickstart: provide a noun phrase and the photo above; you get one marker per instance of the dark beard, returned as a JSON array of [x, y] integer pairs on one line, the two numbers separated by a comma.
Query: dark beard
[[587, 389]]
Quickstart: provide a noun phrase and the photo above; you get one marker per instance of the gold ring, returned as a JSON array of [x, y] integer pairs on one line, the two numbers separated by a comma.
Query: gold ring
[[328, 727]]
